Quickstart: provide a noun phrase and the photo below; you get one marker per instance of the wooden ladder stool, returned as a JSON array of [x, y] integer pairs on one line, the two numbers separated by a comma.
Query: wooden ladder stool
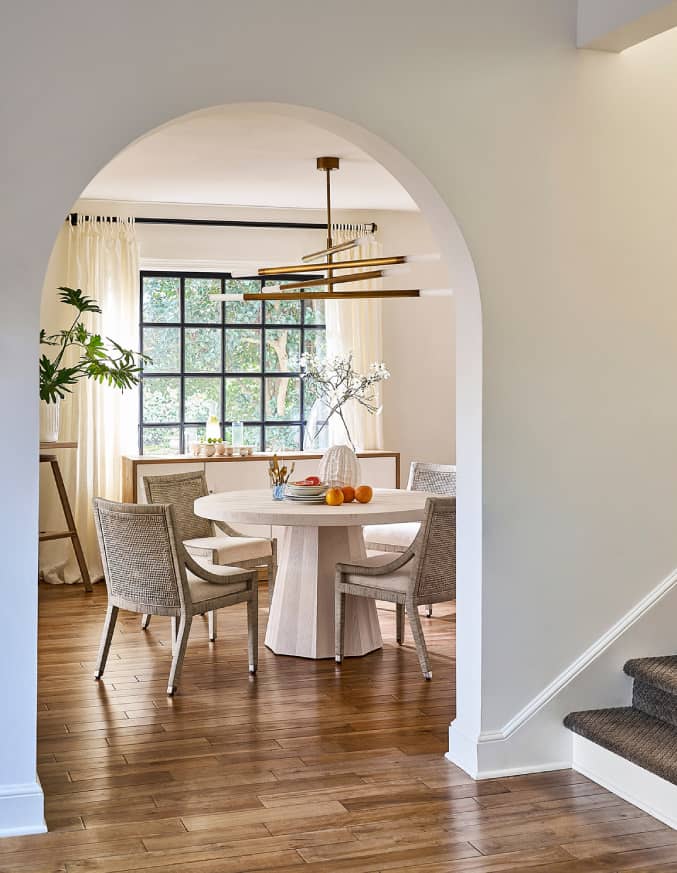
[[71, 533]]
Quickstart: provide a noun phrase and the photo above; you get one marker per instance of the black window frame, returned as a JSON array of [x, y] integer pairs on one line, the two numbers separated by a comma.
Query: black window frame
[[263, 423]]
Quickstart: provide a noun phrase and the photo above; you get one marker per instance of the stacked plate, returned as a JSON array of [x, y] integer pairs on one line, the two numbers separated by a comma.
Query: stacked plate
[[306, 493]]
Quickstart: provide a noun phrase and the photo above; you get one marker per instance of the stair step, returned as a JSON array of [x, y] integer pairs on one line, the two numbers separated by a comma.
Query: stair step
[[654, 702], [659, 672], [646, 741]]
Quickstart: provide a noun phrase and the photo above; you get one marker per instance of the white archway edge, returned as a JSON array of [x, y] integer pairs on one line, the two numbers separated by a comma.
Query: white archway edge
[[615, 25]]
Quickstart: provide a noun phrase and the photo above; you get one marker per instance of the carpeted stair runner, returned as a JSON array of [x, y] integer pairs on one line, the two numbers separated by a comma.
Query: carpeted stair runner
[[646, 732]]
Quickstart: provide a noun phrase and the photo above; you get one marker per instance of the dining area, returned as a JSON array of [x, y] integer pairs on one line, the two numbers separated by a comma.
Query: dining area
[[330, 570]]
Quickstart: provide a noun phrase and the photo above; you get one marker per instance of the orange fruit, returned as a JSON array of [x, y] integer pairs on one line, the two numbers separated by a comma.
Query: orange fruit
[[348, 493], [334, 497], [364, 493]]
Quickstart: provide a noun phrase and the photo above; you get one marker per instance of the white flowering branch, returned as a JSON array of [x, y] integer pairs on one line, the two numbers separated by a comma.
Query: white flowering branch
[[336, 382]]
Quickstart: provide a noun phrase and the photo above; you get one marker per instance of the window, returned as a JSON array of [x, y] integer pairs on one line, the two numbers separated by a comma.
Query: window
[[238, 360]]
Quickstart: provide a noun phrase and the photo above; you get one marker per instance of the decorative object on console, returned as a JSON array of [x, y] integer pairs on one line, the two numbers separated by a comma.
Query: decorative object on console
[[212, 427], [88, 356], [339, 467], [336, 383]]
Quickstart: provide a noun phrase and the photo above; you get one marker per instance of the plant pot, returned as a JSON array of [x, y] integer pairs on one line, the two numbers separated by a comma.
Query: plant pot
[[49, 421], [220, 449], [208, 450]]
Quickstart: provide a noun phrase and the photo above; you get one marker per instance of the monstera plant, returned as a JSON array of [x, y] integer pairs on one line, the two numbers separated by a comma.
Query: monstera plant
[[80, 354]]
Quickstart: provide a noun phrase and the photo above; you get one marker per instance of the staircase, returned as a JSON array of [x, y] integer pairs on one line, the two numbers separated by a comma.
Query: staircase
[[644, 734]]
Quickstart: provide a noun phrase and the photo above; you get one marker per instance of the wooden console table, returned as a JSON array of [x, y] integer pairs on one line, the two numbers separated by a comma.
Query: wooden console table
[[234, 473], [71, 533]]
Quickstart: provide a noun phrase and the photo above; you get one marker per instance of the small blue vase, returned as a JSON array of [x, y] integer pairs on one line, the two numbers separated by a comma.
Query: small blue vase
[[279, 492]]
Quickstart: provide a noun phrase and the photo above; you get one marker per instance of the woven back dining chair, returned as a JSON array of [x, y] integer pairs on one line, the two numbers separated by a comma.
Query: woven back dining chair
[[148, 570], [425, 573], [423, 476], [214, 540]]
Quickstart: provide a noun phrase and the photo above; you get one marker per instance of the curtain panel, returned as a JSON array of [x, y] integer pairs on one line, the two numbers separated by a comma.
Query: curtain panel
[[100, 257], [355, 326]]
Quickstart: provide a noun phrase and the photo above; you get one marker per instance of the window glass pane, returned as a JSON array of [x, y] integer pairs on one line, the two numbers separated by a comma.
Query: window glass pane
[[202, 397], [243, 399], [309, 396], [252, 436], [283, 399], [243, 350], [163, 345], [161, 298], [247, 312], [283, 439], [202, 350], [283, 311], [161, 441], [314, 310], [283, 350], [161, 399], [315, 342], [197, 305], [192, 434]]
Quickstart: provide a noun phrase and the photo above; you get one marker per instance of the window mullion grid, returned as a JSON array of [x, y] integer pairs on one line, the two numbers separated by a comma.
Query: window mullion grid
[[223, 361], [182, 378]]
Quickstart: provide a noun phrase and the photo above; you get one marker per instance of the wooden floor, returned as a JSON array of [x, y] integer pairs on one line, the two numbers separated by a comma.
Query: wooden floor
[[303, 768]]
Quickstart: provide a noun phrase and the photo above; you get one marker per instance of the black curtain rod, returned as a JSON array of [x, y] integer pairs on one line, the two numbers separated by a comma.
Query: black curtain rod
[[212, 222]]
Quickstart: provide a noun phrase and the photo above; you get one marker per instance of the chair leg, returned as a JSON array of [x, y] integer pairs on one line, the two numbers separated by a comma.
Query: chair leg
[[106, 638], [340, 624], [253, 625], [272, 573], [419, 639], [174, 621], [399, 607], [145, 621], [211, 623], [429, 610], [179, 652]]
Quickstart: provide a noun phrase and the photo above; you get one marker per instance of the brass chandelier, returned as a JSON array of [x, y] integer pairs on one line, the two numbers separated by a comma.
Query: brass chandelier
[[323, 261]]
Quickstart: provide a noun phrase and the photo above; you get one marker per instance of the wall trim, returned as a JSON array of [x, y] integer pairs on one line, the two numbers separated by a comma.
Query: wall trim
[[22, 809], [582, 662], [638, 786]]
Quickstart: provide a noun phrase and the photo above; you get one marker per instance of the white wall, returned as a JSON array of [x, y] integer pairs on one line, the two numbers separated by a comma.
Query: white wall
[[418, 335], [559, 166]]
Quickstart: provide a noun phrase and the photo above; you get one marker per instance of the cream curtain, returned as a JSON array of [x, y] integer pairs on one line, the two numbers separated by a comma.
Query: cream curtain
[[356, 326], [101, 258]]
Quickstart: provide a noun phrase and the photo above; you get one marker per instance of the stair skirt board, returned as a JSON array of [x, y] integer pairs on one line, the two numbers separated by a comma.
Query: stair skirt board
[[645, 790]]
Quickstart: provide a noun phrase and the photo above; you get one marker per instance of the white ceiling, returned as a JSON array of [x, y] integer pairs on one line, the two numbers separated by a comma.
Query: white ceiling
[[243, 156]]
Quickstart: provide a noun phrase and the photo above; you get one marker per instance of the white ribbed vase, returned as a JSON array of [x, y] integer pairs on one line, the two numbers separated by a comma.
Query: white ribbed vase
[[49, 421], [339, 466]]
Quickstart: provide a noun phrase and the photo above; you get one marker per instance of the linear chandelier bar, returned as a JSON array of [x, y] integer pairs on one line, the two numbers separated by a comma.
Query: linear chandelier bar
[[341, 247], [334, 280], [339, 265], [327, 295]]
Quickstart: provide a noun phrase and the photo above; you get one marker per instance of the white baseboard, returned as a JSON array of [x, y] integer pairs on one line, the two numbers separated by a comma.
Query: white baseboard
[[22, 810], [643, 789]]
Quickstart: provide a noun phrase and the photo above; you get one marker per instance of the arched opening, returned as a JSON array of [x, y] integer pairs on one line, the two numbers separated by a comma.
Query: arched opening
[[462, 281]]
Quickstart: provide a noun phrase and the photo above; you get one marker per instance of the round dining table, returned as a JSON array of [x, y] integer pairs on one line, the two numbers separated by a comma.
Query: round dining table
[[315, 538]]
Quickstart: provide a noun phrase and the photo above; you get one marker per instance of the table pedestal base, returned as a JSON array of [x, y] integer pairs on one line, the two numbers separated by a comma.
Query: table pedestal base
[[301, 619]]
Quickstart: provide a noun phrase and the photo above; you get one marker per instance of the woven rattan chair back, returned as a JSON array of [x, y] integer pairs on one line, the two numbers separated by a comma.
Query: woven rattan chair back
[[434, 478], [434, 574], [139, 554], [181, 490]]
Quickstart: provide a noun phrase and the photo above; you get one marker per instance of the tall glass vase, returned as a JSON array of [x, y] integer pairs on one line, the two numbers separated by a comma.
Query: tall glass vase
[[316, 433]]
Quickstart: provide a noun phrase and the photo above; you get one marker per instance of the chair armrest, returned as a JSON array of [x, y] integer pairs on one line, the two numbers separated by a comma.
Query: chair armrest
[[227, 529], [201, 572], [377, 570]]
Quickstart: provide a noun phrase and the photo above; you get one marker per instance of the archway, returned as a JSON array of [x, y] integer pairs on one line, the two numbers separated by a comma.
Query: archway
[[463, 281]]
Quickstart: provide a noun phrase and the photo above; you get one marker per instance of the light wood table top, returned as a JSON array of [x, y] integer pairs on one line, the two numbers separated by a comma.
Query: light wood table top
[[388, 506]]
